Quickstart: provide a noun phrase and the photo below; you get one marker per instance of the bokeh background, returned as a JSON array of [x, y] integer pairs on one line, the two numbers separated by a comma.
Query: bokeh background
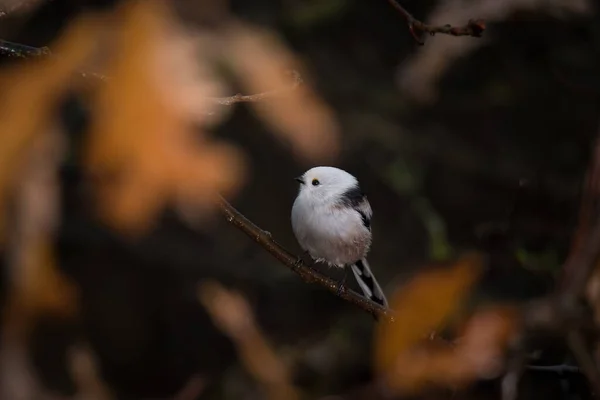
[[461, 144]]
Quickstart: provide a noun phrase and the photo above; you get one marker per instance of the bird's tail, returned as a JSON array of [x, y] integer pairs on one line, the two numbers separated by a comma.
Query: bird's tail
[[367, 282]]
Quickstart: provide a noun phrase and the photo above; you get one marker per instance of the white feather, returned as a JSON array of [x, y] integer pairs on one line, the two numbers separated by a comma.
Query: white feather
[[329, 227]]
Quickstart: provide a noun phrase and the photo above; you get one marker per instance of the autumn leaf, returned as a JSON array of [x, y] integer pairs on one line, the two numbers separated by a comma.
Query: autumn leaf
[[143, 144], [29, 94], [262, 63], [233, 315], [45, 289], [422, 305], [479, 353]]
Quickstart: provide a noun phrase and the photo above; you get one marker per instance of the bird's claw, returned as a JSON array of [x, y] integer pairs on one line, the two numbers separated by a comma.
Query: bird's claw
[[342, 285], [298, 263]]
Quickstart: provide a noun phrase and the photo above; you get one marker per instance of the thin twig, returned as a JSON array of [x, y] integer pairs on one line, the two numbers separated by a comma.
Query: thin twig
[[559, 368], [232, 215], [474, 27], [18, 7], [250, 98], [17, 50], [10, 49], [296, 264]]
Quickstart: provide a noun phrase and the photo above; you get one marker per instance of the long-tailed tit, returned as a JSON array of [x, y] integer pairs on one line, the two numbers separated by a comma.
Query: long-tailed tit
[[331, 219]]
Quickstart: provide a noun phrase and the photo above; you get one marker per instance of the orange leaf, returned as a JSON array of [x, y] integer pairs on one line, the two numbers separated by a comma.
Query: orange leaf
[[29, 94], [143, 144], [424, 304], [298, 115], [479, 353]]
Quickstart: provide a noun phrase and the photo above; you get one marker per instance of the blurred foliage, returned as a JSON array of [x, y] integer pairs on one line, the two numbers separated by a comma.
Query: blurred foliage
[[460, 144]]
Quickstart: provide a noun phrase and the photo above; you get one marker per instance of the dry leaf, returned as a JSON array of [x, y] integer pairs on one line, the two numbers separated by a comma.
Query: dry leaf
[[298, 115], [85, 370], [29, 94], [421, 306], [44, 289], [37, 286], [233, 315], [425, 365], [479, 353], [143, 145], [486, 336]]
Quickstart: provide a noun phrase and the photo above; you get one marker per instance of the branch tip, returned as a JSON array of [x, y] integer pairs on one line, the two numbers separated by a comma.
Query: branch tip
[[474, 28]]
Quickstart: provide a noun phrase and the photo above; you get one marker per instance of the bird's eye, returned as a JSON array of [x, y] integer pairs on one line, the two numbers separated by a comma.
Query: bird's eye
[[315, 182]]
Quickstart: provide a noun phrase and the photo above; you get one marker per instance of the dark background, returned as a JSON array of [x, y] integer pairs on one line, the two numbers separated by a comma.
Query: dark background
[[494, 161]]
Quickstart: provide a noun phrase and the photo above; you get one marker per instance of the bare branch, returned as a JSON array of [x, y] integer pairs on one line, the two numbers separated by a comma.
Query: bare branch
[[17, 50], [308, 274], [262, 237], [474, 27], [18, 6], [240, 98]]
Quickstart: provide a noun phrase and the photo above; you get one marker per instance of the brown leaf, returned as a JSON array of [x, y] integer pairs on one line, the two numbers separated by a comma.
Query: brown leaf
[[48, 290], [422, 305], [233, 315], [486, 336], [143, 145], [479, 353], [42, 290], [29, 94], [297, 115]]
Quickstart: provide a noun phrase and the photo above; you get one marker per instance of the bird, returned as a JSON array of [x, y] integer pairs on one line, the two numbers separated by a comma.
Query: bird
[[331, 219]]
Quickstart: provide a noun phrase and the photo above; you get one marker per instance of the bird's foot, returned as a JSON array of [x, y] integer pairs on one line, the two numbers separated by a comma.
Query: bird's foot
[[299, 262], [342, 285]]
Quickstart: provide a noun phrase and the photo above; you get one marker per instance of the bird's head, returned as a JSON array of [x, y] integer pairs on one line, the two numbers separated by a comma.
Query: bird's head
[[321, 184]]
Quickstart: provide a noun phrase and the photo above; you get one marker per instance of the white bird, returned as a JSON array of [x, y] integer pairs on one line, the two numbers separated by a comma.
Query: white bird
[[331, 218]]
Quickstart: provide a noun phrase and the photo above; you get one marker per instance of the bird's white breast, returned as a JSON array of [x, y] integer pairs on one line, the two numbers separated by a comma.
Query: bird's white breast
[[330, 233]]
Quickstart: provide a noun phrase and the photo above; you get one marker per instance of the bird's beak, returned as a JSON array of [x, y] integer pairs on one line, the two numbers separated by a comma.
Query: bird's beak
[[300, 179]]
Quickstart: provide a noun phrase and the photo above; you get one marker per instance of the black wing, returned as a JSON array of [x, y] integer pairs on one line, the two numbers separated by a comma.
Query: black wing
[[355, 198]]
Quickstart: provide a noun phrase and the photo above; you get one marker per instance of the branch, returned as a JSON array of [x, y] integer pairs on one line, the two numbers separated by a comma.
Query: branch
[[16, 50], [474, 27], [295, 263], [240, 98], [263, 238], [18, 7]]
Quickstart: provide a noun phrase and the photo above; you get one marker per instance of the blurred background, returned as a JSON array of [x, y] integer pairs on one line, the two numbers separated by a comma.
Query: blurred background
[[461, 144]]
